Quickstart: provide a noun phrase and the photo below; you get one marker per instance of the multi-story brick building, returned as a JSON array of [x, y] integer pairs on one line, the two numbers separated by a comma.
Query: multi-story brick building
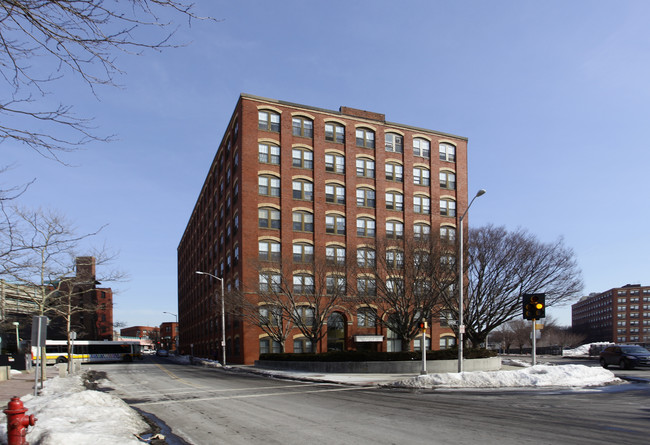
[[291, 178], [169, 335], [619, 315]]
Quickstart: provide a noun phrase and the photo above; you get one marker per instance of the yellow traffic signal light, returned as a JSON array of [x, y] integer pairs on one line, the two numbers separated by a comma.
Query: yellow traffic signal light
[[534, 306]]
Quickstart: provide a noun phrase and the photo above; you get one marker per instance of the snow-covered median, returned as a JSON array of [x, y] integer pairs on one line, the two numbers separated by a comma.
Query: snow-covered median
[[534, 376]]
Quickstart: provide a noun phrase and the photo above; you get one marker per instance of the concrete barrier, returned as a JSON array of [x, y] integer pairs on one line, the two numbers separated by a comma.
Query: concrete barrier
[[389, 367], [5, 373]]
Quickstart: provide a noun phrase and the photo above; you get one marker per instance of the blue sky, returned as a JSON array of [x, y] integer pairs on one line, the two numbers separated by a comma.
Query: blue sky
[[552, 95]]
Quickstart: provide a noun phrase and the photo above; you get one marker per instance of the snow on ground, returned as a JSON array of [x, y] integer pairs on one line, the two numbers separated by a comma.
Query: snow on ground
[[69, 413], [583, 350], [534, 376]]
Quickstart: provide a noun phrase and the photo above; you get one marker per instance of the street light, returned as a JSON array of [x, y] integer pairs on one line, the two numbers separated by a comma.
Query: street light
[[175, 336], [15, 323], [223, 316], [461, 325]]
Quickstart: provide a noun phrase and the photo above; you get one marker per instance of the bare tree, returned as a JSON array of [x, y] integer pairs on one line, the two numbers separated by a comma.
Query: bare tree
[[299, 295], [81, 38], [261, 310], [520, 333], [405, 279], [44, 263], [563, 336], [502, 266]]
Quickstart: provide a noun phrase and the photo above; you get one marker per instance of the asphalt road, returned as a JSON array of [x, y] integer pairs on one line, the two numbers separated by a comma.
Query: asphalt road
[[213, 406]]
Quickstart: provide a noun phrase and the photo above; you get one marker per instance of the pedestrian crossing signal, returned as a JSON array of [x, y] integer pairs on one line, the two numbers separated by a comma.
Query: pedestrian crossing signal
[[534, 306]]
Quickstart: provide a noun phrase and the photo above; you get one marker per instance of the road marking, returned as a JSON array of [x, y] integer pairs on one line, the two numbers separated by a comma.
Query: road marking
[[248, 396], [175, 377]]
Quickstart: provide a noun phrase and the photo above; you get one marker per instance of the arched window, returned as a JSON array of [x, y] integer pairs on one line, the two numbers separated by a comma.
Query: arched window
[[302, 158], [422, 204], [303, 283], [447, 233], [447, 152], [334, 163], [447, 180], [268, 345], [335, 285], [365, 197], [268, 185], [335, 254], [366, 227], [394, 229], [335, 332], [365, 168], [335, 224], [334, 132], [303, 189], [268, 120], [421, 148], [269, 281], [447, 207], [394, 259], [335, 193], [303, 221], [365, 138], [394, 172], [394, 143], [421, 176], [269, 218], [366, 317], [269, 153], [269, 250], [303, 253], [394, 201], [366, 257], [302, 126], [421, 231]]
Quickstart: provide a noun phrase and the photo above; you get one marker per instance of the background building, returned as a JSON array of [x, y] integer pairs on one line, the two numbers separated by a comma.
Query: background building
[[291, 180], [619, 315], [91, 314], [169, 335]]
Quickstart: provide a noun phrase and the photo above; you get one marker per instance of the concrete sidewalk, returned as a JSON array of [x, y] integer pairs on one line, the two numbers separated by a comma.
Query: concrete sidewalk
[[21, 384]]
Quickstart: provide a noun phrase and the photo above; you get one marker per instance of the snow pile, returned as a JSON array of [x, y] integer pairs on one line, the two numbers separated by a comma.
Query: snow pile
[[534, 376], [584, 350], [67, 412]]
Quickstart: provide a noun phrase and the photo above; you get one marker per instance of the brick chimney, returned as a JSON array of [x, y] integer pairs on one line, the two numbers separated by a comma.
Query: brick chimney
[[86, 267]]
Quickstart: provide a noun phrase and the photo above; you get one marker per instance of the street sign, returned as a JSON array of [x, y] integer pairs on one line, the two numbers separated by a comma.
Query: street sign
[[39, 330]]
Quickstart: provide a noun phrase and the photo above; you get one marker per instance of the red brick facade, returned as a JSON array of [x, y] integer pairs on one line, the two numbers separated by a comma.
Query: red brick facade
[[223, 233], [619, 315]]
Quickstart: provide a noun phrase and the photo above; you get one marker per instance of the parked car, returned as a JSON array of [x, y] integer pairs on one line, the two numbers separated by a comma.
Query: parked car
[[162, 353], [625, 356]]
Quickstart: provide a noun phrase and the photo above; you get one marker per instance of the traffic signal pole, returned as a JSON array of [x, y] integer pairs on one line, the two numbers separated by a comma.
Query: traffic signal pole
[[534, 352]]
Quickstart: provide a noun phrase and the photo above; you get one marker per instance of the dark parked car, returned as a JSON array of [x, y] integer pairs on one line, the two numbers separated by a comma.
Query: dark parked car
[[625, 356], [162, 353]]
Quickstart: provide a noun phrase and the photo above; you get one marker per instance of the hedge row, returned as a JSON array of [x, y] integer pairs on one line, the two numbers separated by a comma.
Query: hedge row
[[369, 356]]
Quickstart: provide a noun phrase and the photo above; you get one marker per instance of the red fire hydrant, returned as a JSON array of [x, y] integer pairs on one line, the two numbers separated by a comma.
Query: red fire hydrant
[[17, 422]]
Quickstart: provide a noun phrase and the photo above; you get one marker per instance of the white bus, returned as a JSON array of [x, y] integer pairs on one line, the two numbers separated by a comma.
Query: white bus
[[90, 351]]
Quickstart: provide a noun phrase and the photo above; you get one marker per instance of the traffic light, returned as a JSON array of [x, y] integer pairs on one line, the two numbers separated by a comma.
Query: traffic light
[[534, 306], [423, 326]]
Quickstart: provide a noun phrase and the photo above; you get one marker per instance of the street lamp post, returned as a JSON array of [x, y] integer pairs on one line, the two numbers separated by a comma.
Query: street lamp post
[[175, 336], [17, 324], [461, 325], [223, 317]]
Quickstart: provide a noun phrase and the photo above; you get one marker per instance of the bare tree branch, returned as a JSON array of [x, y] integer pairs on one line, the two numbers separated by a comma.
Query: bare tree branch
[[81, 38]]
